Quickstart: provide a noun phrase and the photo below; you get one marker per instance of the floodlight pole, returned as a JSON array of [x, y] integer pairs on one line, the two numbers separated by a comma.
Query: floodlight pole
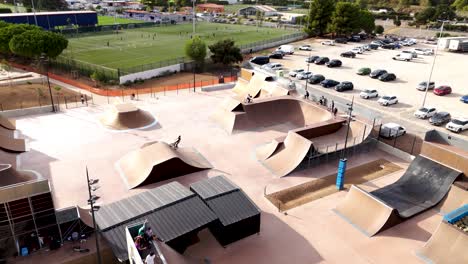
[[45, 61], [433, 64], [193, 18], [308, 65], [340, 177], [91, 204], [34, 11]]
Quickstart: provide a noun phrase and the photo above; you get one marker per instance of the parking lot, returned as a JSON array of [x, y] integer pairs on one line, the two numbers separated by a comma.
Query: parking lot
[[450, 69]]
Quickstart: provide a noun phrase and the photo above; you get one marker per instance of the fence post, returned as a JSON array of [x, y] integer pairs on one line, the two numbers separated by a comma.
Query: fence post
[[414, 142], [364, 134], [76, 102], [66, 105]]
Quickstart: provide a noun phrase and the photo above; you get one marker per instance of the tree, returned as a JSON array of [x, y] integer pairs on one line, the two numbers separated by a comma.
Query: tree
[[396, 22], [426, 15], [366, 21], [444, 12], [53, 44], [320, 13], [425, 3], [362, 3], [196, 50], [8, 32], [149, 3], [225, 51], [27, 44], [50, 5], [345, 19], [379, 29], [460, 4]]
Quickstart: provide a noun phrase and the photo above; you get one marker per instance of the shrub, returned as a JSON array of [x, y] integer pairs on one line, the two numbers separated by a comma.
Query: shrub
[[379, 29]]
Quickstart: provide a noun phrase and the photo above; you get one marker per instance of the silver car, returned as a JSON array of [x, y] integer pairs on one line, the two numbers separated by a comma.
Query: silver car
[[422, 86]]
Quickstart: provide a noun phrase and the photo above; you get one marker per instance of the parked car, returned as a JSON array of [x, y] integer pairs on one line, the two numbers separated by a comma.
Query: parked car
[[373, 46], [366, 94], [425, 112], [334, 63], [423, 85], [328, 43], [341, 40], [322, 60], [312, 59], [426, 52], [276, 55], [260, 60], [288, 49], [440, 118], [464, 99], [355, 39], [357, 50], [388, 46], [387, 77], [392, 130], [294, 73], [329, 83], [377, 73], [443, 90], [377, 43], [388, 100], [457, 125], [304, 75], [273, 66], [403, 57], [366, 47], [348, 54], [414, 55], [364, 71], [316, 78], [305, 47], [344, 86]]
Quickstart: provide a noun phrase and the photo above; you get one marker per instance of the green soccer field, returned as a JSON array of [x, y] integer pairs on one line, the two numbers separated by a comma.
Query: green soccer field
[[134, 47], [108, 20]]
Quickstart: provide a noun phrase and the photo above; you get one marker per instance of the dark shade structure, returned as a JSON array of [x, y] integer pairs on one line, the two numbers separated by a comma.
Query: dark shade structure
[[50, 20], [174, 213], [238, 216]]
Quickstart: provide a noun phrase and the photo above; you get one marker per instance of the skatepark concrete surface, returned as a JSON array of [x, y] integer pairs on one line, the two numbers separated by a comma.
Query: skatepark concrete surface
[[63, 144]]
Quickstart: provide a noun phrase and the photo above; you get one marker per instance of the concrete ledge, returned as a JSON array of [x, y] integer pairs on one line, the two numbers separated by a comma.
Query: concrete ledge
[[218, 87], [394, 151], [27, 111]]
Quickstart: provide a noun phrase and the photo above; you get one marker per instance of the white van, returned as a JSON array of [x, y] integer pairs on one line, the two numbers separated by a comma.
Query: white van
[[288, 49], [403, 57]]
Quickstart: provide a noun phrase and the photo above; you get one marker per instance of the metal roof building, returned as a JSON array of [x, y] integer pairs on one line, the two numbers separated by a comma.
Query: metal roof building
[[238, 216], [50, 20], [173, 212]]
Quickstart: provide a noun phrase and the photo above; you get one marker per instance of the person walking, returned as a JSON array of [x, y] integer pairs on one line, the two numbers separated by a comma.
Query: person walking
[[335, 111], [306, 96]]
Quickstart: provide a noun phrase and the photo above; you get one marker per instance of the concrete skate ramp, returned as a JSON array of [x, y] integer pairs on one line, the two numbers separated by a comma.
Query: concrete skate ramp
[[287, 155], [364, 211], [11, 144], [10, 176], [456, 198], [448, 245], [127, 116], [422, 186], [157, 162], [7, 123], [85, 216]]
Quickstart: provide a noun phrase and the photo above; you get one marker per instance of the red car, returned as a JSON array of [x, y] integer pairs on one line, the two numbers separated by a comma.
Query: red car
[[443, 90]]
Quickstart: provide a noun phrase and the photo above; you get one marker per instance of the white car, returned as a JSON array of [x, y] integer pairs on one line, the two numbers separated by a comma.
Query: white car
[[425, 112], [328, 42], [424, 51], [357, 50], [403, 57], [305, 47], [457, 125], [304, 75], [388, 100], [294, 73], [366, 94], [392, 130]]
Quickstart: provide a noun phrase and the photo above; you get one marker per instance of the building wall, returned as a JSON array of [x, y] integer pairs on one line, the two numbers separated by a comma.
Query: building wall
[[52, 21], [150, 73]]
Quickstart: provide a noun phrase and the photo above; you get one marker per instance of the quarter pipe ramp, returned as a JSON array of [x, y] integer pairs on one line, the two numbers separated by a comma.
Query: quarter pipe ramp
[[448, 245], [127, 116], [7, 123], [85, 216], [12, 144], [422, 186], [156, 162]]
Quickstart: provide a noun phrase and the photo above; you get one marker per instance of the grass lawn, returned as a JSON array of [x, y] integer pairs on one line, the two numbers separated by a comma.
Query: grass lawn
[[134, 47], [109, 20], [12, 7]]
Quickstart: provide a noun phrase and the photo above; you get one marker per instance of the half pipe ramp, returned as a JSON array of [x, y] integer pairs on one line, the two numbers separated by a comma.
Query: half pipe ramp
[[422, 186], [156, 162]]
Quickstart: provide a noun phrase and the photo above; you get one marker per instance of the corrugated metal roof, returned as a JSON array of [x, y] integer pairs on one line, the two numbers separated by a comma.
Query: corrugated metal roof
[[228, 202], [172, 211], [212, 187], [131, 208]]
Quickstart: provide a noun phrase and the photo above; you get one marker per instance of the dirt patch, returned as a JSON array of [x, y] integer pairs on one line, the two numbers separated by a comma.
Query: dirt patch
[[298, 195], [32, 95], [183, 77]]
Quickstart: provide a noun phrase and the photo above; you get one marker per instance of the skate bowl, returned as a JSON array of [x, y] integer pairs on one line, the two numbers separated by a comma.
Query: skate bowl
[[283, 155], [448, 245], [127, 116], [158, 161], [6, 123], [17, 184], [10, 176], [423, 185], [267, 112], [11, 144]]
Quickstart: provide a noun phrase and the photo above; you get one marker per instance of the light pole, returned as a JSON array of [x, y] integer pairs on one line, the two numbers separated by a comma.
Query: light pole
[[433, 63], [342, 164], [45, 61], [193, 17], [308, 65], [92, 199], [34, 11]]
